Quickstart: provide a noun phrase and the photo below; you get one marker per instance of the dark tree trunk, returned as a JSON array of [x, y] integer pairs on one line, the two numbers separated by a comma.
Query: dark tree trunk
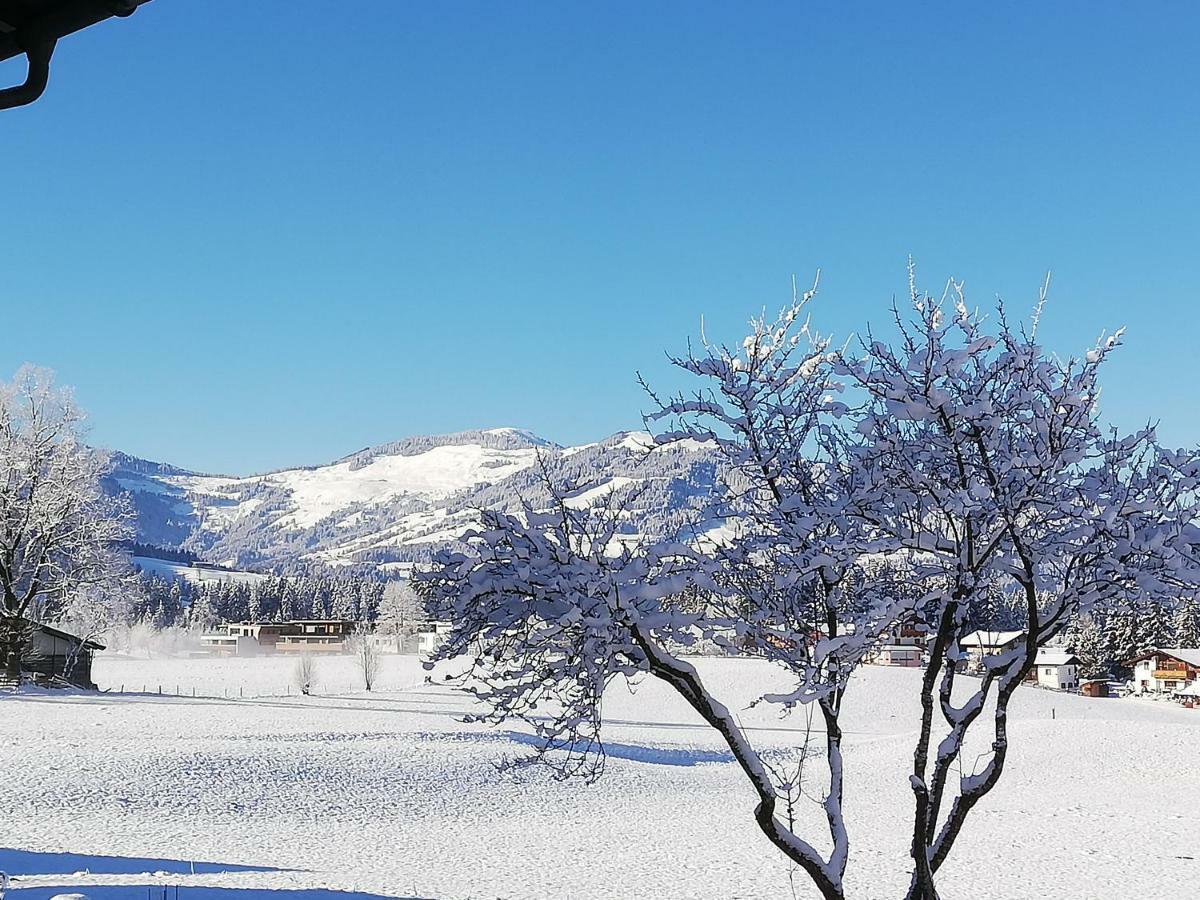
[[12, 645]]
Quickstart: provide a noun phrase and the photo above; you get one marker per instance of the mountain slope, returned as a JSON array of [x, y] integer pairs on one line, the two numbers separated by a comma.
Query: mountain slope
[[396, 503]]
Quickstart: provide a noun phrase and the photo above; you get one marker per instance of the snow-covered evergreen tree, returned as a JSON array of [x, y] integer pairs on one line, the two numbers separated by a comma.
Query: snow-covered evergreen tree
[[1185, 628], [1086, 641]]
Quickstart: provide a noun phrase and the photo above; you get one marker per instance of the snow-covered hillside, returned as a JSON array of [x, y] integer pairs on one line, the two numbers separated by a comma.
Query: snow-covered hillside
[[195, 573], [393, 504]]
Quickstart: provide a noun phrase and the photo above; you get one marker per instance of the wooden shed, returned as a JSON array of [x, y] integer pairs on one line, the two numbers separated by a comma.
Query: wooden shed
[[1093, 687], [54, 656]]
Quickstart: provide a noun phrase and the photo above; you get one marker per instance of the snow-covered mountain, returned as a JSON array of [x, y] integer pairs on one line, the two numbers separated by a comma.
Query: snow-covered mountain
[[396, 503]]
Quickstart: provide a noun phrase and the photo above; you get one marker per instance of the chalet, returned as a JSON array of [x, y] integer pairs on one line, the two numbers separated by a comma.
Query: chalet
[[1167, 671], [1056, 669], [901, 644], [979, 644], [56, 657], [300, 636], [904, 655]]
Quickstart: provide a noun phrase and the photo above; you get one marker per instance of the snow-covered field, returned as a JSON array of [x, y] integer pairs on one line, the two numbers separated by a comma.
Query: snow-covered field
[[389, 794]]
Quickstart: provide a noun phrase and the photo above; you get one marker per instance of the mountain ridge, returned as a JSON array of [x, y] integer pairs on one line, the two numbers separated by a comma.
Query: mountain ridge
[[393, 504]]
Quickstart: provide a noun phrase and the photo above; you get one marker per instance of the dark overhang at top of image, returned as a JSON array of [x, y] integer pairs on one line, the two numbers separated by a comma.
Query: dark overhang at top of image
[[31, 28]]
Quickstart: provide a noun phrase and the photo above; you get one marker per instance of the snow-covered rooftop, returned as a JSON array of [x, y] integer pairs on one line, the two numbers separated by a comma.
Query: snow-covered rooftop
[[990, 638], [1189, 655], [1054, 656]]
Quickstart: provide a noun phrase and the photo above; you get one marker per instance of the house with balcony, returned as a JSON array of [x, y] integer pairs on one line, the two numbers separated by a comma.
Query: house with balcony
[[1167, 671], [299, 636], [901, 644]]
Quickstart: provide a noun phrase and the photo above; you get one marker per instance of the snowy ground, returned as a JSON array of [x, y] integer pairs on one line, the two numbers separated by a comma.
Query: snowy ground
[[388, 794]]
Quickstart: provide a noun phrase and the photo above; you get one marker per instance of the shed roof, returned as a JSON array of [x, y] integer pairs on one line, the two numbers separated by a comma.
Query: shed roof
[[67, 636]]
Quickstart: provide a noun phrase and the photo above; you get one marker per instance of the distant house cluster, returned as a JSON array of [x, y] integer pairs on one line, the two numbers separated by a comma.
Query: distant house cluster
[[1167, 672]]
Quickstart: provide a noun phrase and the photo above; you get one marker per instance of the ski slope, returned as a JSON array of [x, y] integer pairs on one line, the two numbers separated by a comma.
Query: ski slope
[[389, 794]]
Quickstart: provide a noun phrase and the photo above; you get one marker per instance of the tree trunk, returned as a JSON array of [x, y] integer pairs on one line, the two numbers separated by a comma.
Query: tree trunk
[[12, 644]]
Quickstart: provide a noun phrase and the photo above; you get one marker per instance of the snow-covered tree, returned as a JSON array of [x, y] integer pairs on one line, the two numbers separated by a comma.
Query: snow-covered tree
[[983, 455], [400, 609], [1087, 642], [1153, 625], [554, 604], [58, 529], [961, 459], [305, 674], [365, 653], [1185, 627], [1120, 636]]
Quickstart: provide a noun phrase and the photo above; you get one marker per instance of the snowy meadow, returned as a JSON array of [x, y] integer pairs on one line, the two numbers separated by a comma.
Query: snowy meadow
[[391, 794]]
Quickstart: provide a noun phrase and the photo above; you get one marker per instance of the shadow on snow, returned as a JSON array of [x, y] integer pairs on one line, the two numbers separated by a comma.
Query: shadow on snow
[[659, 756], [21, 864], [28, 862], [161, 892]]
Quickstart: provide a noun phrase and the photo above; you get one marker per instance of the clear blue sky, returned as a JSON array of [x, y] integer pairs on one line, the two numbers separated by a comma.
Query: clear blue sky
[[257, 234]]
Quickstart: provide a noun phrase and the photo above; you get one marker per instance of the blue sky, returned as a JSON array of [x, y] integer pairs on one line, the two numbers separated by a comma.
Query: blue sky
[[256, 234]]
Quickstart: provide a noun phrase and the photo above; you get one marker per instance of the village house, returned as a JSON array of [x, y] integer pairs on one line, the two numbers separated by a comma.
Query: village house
[[1056, 669], [1168, 671], [979, 644], [902, 644]]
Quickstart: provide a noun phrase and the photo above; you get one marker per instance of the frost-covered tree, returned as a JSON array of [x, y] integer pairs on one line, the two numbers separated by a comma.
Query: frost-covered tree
[[59, 532], [1153, 625], [400, 609], [555, 603], [1087, 642], [1185, 626], [304, 676], [983, 455], [961, 455], [1120, 635], [365, 653]]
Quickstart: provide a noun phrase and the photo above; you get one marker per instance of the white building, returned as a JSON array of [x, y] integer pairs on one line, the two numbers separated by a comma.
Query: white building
[[1166, 671], [1056, 669], [979, 644], [900, 644], [430, 636], [904, 655]]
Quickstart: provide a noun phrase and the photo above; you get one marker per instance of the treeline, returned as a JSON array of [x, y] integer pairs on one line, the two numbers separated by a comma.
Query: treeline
[[175, 602], [1107, 639], [153, 551]]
